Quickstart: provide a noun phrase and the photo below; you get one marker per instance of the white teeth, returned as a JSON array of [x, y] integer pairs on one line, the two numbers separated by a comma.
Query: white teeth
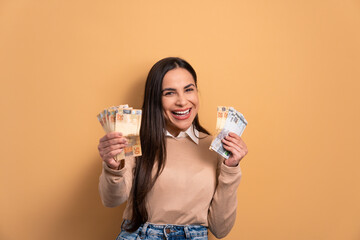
[[182, 113]]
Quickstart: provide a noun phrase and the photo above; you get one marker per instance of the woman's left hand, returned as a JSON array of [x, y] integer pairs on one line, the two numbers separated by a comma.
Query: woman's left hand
[[234, 144]]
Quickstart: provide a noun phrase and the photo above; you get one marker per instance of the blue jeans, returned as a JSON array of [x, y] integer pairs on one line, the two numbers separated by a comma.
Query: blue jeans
[[149, 231]]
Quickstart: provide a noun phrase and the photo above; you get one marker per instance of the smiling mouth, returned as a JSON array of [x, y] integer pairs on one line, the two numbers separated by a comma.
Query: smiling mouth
[[181, 115]]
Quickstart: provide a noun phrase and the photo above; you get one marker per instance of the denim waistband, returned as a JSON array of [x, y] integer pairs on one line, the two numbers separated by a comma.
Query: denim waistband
[[170, 231]]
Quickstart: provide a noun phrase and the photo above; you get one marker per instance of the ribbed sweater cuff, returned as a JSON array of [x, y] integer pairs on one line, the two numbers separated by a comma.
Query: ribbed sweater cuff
[[231, 170], [113, 171]]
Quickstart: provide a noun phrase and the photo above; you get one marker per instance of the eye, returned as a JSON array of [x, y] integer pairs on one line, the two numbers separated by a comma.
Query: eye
[[189, 89], [168, 93]]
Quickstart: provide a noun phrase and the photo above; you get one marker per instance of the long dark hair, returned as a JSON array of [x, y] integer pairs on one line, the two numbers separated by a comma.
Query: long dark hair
[[152, 135]]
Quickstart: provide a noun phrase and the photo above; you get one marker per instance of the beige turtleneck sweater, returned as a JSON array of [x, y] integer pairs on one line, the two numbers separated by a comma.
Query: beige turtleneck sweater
[[195, 187]]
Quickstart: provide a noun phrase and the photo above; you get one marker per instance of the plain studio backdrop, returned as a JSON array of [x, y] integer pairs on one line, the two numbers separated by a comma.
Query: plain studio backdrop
[[291, 67]]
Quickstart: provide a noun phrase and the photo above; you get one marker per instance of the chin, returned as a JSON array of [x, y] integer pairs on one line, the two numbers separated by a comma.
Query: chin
[[180, 127], [178, 124]]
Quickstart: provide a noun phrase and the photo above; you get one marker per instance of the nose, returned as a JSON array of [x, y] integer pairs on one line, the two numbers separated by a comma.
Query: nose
[[181, 100]]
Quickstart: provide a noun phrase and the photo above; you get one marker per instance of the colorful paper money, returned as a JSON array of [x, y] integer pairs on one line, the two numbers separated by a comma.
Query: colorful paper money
[[228, 120], [126, 120]]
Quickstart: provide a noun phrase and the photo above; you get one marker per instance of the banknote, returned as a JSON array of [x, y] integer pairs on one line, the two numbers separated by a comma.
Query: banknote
[[135, 120], [126, 120], [228, 120], [221, 118]]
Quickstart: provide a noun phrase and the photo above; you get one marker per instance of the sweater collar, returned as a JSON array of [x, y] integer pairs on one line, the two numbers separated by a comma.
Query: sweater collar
[[192, 132]]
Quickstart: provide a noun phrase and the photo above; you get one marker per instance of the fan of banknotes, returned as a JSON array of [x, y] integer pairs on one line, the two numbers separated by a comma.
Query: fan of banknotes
[[228, 120], [126, 120]]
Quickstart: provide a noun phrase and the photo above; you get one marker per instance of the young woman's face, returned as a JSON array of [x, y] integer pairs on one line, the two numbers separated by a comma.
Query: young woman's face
[[179, 99]]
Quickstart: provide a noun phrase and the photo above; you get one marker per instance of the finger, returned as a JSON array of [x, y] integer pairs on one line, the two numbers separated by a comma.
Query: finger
[[118, 140], [233, 151], [232, 162], [110, 135], [231, 144], [103, 152], [114, 147], [234, 135], [237, 139], [232, 139], [112, 163], [236, 154], [110, 155], [110, 145]]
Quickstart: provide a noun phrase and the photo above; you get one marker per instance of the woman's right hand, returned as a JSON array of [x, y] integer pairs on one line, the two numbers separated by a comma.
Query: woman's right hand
[[111, 145]]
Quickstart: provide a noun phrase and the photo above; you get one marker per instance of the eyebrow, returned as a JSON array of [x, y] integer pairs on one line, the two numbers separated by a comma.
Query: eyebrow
[[173, 89], [187, 86]]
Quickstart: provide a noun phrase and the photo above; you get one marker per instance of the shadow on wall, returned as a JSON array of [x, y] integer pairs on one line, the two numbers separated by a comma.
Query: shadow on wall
[[84, 216]]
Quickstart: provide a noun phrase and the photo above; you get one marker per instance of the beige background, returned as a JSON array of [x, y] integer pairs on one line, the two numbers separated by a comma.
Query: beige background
[[291, 67]]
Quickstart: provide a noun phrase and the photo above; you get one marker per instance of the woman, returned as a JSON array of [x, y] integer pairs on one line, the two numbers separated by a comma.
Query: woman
[[178, 187]]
